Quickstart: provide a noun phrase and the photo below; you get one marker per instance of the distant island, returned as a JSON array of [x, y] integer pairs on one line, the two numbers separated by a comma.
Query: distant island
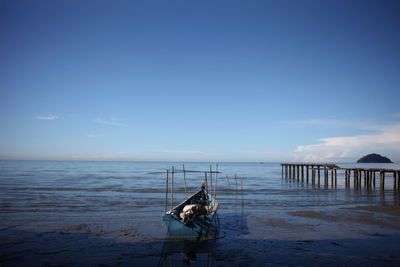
[[374, 158]]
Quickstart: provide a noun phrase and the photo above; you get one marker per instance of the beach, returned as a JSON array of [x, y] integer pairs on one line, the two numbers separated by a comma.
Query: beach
[[109, 213]]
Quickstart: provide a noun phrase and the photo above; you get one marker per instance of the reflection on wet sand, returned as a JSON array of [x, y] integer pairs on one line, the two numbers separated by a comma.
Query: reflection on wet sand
[[196, 252], [191, 250]]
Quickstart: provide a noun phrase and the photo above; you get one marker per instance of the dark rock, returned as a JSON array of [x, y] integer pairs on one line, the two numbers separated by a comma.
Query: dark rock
[[374, 158]]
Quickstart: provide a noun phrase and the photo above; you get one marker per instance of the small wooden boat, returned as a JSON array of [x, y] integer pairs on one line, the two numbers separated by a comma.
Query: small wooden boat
[[194, 216]]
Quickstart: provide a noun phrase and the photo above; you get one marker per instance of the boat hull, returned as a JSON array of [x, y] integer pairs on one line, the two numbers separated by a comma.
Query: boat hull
[[201, 224], [200, 227]]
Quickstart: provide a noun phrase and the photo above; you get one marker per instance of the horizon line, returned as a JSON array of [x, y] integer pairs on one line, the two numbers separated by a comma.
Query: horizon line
[[184, 161]]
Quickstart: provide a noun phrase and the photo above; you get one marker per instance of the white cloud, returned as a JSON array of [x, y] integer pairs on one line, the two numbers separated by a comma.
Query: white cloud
[[47, 117], [112, 122], [386, 139]]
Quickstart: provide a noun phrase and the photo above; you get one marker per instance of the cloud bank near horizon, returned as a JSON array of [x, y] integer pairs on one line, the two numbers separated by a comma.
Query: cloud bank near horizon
[[384, 140]]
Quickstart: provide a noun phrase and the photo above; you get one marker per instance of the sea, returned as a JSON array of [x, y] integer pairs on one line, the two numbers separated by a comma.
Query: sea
[[83, 213]]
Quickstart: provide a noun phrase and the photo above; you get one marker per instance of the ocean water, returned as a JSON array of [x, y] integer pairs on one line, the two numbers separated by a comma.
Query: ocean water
[[112, 211]]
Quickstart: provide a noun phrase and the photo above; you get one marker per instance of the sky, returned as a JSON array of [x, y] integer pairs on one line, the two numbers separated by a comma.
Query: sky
[[199, 80]]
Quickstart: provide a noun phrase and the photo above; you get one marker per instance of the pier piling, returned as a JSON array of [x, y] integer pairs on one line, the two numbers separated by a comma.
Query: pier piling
[[362, 177]]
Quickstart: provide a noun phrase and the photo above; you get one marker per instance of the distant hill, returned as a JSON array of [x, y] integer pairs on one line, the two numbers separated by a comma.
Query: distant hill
[[374, 158]]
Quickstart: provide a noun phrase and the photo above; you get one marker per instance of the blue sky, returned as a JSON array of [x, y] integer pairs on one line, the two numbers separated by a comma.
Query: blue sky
[[199, 80]]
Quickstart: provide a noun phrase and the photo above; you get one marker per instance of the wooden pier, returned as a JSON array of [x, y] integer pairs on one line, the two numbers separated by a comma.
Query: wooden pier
[[314, 173]]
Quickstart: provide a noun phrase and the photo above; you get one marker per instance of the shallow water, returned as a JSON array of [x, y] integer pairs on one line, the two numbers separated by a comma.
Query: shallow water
[[111, 212]]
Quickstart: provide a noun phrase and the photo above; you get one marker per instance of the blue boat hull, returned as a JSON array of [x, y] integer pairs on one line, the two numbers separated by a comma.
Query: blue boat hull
[[200, 227]]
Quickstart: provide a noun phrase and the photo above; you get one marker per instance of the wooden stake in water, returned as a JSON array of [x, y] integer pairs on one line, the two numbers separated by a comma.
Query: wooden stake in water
[[236, 187], [172, 187], [215, 185], [205, 178], [184, 177], [241, 187], [166, 192], [210, 180]]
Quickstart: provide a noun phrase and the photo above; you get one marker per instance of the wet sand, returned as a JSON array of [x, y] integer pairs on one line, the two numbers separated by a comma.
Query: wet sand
[[384, 217], [54, 249], [343, 236]]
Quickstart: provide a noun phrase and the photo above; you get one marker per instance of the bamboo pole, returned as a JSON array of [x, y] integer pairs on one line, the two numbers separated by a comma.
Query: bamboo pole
[[184, 177], [205, 178], [216, 181], [211, 181], [241, 187], [166, 192], [172, 187], [236, 186]]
